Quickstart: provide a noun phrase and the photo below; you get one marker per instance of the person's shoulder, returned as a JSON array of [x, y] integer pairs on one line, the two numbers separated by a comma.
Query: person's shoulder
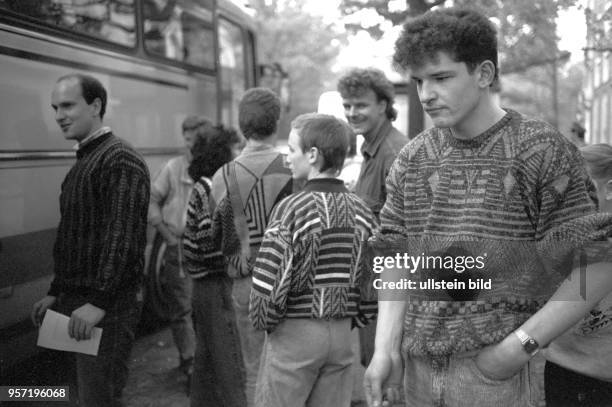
[[296, 200], [432, 136], [119, 152], [290, 206], [360, 204], [536, 135]]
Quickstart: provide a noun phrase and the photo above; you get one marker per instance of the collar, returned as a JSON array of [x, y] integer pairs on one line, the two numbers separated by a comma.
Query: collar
[[325, 185], [92, 136], [370, 148], [257, 148]]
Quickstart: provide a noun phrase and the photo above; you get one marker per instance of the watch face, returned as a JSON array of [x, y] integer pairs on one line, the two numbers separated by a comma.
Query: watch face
[[531, 346]]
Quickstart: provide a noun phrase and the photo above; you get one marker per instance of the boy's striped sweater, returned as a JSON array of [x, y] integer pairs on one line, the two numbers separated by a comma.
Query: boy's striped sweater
[[311, 263]]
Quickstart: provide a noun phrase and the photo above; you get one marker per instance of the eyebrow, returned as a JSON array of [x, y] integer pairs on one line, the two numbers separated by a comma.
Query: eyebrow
[[436, 73]]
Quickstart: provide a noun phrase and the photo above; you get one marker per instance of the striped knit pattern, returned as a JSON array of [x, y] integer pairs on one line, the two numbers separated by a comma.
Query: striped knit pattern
[[102, 232], [263, 181], [518, 194], [311, 262], [202, 253]]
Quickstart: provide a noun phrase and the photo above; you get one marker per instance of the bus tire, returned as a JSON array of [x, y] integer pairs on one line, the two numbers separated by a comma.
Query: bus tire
[[157, 296]]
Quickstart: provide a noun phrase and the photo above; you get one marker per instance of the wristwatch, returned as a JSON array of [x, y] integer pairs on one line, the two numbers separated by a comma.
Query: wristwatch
[[530, 345]]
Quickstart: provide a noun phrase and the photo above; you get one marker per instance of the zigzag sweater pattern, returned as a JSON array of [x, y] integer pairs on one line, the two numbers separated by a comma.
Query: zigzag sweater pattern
[[518, 195], [311, 263], [203, 255], [263, 180], [99, 250]]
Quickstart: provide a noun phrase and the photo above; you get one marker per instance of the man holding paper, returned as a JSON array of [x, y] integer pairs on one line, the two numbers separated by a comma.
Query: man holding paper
[[100, 241]]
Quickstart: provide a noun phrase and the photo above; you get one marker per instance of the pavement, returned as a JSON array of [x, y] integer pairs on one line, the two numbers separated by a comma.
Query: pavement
[[155, 380]]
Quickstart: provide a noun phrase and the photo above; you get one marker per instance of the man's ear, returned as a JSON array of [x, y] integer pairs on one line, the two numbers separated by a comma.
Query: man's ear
[[486, 73], [96, 105], [313, 155], [382, 106], [608, 190]]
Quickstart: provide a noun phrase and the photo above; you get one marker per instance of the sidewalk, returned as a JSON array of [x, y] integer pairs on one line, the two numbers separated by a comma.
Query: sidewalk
[[154, 379]]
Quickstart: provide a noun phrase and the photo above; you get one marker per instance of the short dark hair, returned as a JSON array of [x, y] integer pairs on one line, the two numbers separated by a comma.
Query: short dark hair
[[91, 88], [357, 81], [212, 149], [464, 34], [325, 132], [258, 113]]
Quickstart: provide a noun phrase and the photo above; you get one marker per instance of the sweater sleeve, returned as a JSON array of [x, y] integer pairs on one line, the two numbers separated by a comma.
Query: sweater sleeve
[[392, 213], [272, 274], [368, 296], [565, 213], [126, 188]]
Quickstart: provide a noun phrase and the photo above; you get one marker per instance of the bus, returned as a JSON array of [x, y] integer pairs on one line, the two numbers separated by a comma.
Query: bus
[[160, 60]]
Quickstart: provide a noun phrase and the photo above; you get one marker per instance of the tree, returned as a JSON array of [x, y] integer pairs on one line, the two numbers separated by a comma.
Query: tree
[[526, 32], [304, 45], [531, 92], [527, 29], [598, 33]]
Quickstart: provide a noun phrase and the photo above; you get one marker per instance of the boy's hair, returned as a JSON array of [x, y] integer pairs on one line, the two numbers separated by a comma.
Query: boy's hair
[[465, 35], [599, 159], [212, 149], [258, 113], [357, 81], [91, 88], [325, 132]]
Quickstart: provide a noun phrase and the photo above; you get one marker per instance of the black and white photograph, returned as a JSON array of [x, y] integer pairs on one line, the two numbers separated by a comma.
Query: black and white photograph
[[411, 203]]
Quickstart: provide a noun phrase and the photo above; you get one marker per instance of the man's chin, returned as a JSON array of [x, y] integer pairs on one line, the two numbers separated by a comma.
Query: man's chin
[[358, 129]]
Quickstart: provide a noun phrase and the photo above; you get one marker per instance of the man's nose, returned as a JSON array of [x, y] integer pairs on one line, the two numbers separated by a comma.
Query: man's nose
[[59, 114], [351, 111], [426, 92]]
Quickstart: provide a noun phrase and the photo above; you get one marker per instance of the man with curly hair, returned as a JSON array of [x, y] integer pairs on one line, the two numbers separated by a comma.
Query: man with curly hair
[[367, 98], [491, 184]]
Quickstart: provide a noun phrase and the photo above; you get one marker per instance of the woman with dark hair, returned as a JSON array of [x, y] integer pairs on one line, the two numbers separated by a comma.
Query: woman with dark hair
[[218, 374]]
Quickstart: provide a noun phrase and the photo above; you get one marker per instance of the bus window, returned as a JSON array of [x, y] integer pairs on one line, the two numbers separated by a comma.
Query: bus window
[[250, 52], [233, 72], [179, 31], [110, 20]]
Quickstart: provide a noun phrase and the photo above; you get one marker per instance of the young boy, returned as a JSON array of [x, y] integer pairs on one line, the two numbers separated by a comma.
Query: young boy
[[310, 276]]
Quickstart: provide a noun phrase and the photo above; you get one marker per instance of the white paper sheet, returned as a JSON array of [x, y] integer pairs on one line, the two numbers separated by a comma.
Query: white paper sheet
[[53, 334]]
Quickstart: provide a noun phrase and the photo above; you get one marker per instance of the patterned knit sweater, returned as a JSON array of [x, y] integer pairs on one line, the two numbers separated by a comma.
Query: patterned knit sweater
[[311, 262], [100, 243], [263, 180], [517, 195], [203, 255]]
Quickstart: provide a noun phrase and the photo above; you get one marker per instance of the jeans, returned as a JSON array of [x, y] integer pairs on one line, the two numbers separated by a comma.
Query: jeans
[[218, 372], [251, 339], [307, 362], [456, 381], [565, 388], [180, 285], [101, 378]]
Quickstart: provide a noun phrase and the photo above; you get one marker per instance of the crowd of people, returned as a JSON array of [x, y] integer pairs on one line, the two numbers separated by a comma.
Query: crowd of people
[[269, 256]]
